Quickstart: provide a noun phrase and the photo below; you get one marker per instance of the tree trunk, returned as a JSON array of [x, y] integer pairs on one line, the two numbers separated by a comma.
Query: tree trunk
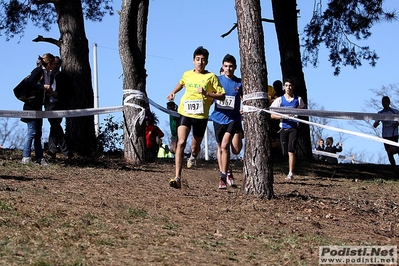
[[132, 50], [286, 23], [74, 50], [258, 167]]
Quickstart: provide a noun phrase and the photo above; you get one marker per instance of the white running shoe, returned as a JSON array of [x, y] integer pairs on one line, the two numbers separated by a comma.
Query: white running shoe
[[191, 161], [230, 181], [26, 160], [43, 162], [230, 178], [290, 176]]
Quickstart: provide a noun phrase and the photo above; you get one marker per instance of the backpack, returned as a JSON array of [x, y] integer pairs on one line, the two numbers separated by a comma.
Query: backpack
[[23, 92]]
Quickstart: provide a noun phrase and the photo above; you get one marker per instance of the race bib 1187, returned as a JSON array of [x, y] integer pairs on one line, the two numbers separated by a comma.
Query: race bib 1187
[[194, 107]]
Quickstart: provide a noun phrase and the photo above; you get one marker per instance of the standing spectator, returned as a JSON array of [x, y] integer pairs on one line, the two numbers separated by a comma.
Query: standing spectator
[[320, 147], [288, 133], [278, 87], [274, 124], [389, 129], [40, 81], [221, 71], [227, 121], [332, 149], [202, 88], [173, 124], [59, 100], [153, 138], [271, 94]]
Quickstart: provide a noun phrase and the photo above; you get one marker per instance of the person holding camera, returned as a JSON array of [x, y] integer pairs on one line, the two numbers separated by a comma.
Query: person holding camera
[[332, 149]]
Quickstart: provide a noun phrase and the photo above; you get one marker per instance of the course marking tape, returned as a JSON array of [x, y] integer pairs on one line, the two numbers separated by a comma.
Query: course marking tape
[[318, 113], [255, 96], [163, 109], [284, 112], [62, 113], [336, 115], [338, 156], [358, 134], [135, 94]]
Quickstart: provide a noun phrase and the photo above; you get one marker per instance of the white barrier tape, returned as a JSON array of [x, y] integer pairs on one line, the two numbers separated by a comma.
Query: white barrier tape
[[246, 108], [337, 115], [78, 112], [333, 155], [60, 113], [255, 96], [322, 113], [329, 154], [359, 134], [250, 109], [135, 94]]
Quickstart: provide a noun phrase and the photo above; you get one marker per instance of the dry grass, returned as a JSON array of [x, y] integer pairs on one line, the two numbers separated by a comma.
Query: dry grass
[[103, 212]]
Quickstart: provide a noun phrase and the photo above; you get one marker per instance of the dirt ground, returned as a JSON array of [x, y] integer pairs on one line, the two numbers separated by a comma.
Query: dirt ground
[[101, 211]]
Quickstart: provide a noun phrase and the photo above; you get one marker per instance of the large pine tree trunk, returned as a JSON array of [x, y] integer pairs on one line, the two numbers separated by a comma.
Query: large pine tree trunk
[[286, 23], [132, 50], [258, 167], [74, 50]]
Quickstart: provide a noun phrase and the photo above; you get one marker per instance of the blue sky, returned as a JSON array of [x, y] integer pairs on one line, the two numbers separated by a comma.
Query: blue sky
[[175, 30]]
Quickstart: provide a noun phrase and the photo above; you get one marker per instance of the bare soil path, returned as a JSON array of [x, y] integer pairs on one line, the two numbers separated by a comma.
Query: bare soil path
[[101, 211]]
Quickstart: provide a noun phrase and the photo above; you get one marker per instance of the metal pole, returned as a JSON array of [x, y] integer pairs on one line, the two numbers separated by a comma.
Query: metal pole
[[206, 145], [95, 89]]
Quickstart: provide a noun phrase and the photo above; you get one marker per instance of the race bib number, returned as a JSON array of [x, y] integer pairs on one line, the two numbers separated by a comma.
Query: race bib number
[[228, 103], [194, 107]]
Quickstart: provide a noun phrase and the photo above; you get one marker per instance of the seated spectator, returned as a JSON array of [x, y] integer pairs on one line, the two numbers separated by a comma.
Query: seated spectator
[[164, 151], [332, 149], [153, 138]]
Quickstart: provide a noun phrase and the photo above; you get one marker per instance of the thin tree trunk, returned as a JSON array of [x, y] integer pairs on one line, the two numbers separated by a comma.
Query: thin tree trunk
[[258, 167], [286, 23], [132, 50]]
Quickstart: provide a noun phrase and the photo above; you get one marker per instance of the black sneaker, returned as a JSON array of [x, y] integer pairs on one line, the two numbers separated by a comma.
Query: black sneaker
[[51, 154], [175, 182]]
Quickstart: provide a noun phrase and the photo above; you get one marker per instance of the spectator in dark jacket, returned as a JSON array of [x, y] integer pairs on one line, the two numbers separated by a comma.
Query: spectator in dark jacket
[[59, 100], [40, 83], [332, 149]]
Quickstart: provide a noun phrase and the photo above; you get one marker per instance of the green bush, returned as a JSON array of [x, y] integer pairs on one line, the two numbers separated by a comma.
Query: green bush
[[110, 137]]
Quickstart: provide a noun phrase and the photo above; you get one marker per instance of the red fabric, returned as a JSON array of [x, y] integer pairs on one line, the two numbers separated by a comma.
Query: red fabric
[[151, 134]]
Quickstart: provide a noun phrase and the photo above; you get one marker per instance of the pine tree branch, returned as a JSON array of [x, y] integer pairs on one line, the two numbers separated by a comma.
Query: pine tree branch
[[235, 26], [40, 38]]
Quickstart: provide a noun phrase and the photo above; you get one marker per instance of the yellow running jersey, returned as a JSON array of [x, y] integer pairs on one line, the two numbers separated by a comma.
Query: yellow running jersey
[[193, 104]]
